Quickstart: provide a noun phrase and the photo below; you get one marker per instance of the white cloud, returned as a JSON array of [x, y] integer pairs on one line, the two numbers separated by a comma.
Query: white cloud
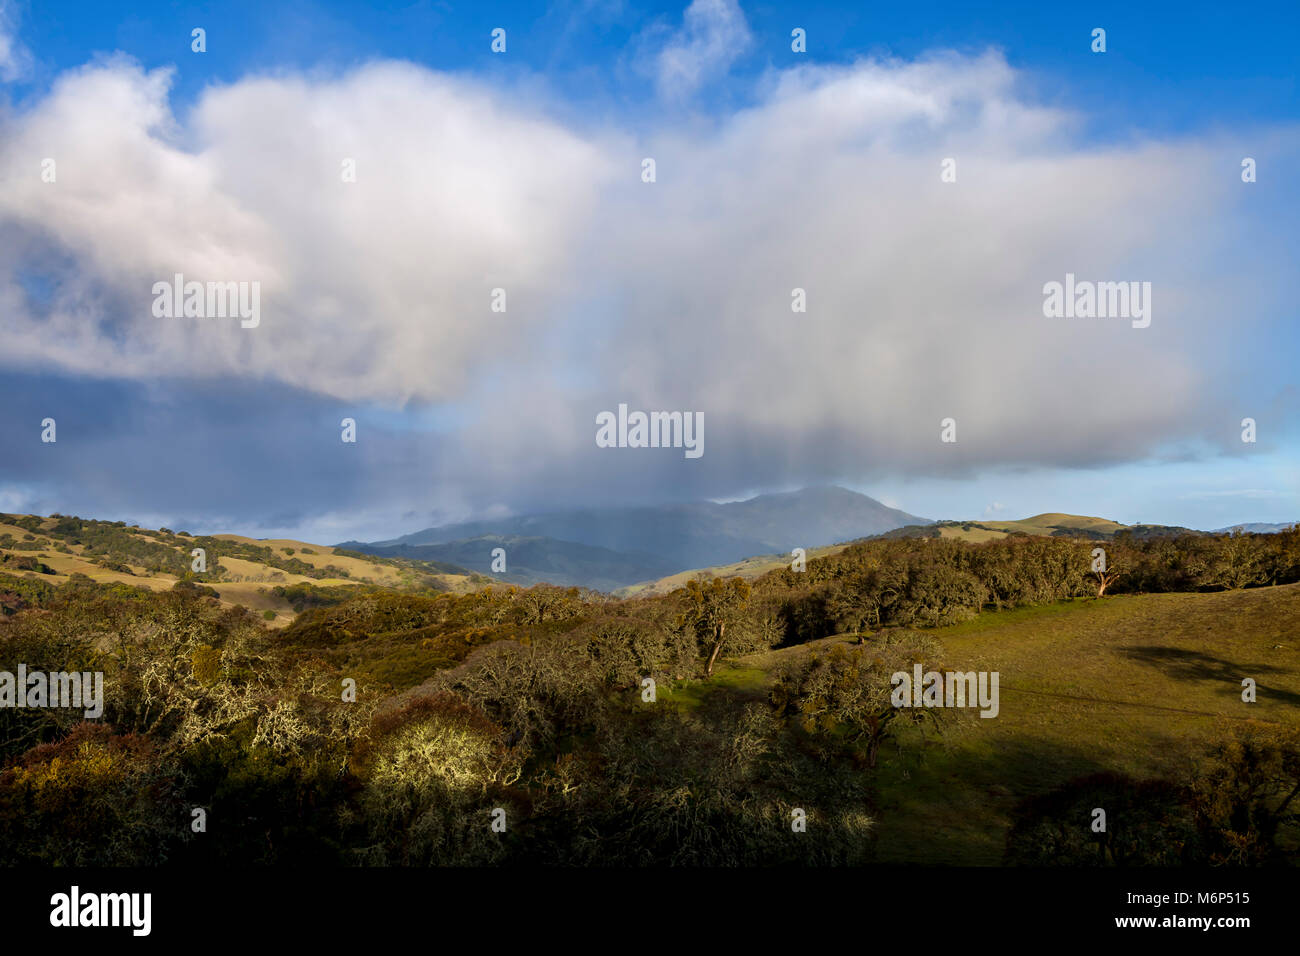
[[713, 35], [14, 58], [924, 297], [378, 289]]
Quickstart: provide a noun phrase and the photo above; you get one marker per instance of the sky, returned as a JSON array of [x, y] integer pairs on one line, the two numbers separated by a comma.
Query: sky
[[379, 172]]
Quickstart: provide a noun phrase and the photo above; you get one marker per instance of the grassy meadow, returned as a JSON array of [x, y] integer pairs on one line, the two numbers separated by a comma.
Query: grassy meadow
[[1137, 684]]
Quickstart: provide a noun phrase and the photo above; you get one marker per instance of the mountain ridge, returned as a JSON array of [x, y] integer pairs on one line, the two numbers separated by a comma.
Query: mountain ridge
[[672, 537]]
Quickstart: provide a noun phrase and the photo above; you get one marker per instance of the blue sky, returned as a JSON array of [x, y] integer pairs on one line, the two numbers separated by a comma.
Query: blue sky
[[522, 170], [1169, 65]]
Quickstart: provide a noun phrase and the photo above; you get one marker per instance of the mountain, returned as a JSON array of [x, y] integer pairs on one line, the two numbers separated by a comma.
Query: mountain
[[1257, 528], [532, 560], [659, 539]]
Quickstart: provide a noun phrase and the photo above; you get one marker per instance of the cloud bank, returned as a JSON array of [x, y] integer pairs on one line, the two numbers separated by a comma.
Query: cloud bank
[[924, 296]]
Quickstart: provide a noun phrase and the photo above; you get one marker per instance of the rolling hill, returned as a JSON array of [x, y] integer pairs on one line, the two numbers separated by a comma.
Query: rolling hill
[[1135, 684], [244, 571]]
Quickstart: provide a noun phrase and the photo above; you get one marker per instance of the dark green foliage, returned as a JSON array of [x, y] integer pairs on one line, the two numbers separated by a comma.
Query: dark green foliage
[[1239, 809], [1147, 823], [928, 582], [1247, 797], [17, 593], [302, 597], [111, 544], [14, 562], [198, 590]]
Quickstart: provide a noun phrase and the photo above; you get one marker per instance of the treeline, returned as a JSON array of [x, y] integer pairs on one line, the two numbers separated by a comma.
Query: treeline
[[930, 582]]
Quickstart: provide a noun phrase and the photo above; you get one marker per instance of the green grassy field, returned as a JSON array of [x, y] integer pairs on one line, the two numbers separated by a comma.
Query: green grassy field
[[1139, 684]]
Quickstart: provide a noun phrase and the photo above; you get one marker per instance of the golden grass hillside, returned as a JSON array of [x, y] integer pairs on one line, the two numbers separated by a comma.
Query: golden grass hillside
[[44, 548]]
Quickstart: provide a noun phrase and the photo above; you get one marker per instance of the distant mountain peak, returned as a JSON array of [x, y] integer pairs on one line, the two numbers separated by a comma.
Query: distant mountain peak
[[678, 536]]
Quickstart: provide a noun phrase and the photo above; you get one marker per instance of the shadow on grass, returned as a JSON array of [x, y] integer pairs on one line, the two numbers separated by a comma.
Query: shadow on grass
[[1183, 664], [952, 807]]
